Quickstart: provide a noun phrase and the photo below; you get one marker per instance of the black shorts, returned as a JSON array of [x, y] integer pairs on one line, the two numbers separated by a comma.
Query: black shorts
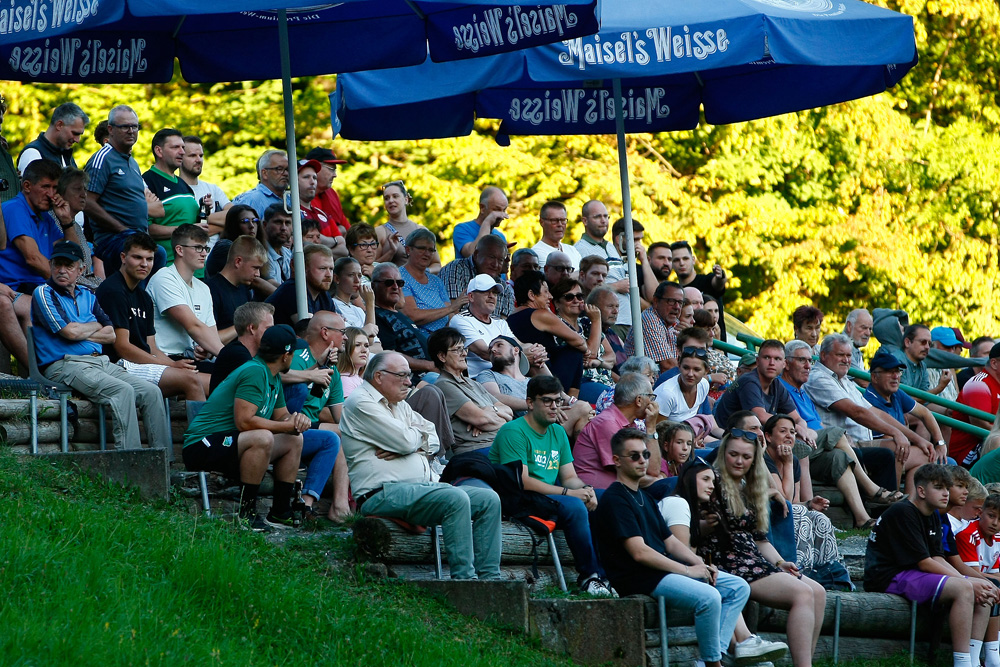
[[215, 453]]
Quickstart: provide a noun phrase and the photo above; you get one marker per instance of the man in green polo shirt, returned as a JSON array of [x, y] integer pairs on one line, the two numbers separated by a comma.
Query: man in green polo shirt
[[177, 197], [244, 426], [541, 444]]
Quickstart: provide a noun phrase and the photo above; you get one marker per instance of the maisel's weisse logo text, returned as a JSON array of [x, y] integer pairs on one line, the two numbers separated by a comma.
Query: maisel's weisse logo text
[[662, 44], [499, 26], [591, 106], [37, 16], [76, 58]]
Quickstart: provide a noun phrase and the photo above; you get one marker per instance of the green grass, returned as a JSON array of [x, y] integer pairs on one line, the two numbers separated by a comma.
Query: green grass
[[91, 575]]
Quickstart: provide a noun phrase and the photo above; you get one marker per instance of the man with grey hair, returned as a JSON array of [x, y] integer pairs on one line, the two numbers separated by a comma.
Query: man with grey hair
[[489, 257], [492, 212], [118, 206], [633, 400], [56, 143], [524, 260], [858, 327], [839, 403], [558, 265], [388, 447], [694, 296], [272, 174]]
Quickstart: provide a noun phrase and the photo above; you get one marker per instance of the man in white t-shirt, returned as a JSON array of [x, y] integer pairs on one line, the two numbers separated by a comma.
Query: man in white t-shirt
[[553, 220], [478, 325], [184, 318], [190, 172]]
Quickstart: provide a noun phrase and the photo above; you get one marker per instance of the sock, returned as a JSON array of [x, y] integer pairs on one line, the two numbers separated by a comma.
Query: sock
[[975, 646], [282, 497], [248, 499], [993, 654], [961, 660]]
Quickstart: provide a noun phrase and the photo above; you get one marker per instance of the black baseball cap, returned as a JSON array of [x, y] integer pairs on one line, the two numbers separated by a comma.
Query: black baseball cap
[[67, 250], [324, 155], [279, 339], [886, 361]]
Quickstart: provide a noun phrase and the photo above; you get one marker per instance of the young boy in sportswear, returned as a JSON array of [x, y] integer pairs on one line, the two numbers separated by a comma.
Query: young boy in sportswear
[[905, 557], [980, 552]]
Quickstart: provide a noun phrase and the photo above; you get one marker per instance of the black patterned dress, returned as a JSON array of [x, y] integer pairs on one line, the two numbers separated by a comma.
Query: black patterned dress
[[737, 553]]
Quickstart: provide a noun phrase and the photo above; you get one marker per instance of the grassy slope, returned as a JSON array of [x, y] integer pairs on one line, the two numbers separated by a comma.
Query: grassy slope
[[90, 575]]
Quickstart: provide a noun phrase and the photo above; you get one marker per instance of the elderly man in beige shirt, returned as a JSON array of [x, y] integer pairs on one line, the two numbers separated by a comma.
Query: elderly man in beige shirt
[[388, 446]]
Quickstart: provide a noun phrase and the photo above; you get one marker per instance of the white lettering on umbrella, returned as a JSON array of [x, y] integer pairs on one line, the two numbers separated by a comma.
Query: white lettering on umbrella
[[70, 57], [642, 104], [629, 48], [41, 15], [501, 26]]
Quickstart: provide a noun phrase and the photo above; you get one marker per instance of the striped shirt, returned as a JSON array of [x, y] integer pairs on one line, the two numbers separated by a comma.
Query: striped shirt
[[52, 310]]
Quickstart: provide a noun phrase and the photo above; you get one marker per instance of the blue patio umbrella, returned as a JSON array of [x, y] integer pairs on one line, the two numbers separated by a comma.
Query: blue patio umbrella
[[138, 41], [662, 64]]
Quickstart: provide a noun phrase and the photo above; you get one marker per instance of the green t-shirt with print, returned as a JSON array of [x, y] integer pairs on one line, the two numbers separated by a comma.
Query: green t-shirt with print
[[542, 454], [252, 382], [332, 395]]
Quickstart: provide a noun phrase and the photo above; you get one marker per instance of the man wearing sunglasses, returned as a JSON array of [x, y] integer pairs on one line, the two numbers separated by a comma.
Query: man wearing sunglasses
[[538, 442], [397, 331]]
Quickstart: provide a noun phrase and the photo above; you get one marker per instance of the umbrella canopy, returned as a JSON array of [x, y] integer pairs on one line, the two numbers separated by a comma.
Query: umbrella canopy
[[137, 41], [661, 64]]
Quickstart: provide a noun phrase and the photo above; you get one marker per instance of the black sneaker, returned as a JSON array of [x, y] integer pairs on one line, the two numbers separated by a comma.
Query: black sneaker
[[254, 523], [282, 520]]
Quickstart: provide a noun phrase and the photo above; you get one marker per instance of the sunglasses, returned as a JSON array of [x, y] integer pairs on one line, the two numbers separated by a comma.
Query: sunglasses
[[247, 221], [749, 436], [389, 282], [576, 296], [636, 456], [695, 352]]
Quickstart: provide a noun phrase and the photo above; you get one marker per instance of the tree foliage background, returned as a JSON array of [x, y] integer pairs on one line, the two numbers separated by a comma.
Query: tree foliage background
[[890, 201]]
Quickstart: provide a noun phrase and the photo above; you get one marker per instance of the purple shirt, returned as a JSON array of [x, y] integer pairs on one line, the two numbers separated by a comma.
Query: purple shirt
[[592, 451]]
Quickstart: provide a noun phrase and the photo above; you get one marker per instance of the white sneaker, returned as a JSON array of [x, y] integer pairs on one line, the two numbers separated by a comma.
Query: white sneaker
[[755, 650], [594, 586]]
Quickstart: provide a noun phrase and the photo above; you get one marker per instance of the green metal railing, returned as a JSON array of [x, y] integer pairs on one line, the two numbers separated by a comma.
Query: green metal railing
[[752, 342]]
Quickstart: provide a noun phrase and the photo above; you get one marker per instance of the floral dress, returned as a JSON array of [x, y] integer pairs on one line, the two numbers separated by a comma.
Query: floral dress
[[737, 553]]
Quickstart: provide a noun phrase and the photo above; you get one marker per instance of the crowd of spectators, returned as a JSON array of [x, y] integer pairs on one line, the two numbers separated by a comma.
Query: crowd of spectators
[[141, 285]]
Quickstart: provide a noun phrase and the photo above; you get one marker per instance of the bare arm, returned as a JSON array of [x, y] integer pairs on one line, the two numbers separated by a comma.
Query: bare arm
[[245, 416], [424, 316], [33, 257], [485, 419], [548, 322], [82, 331], [207, 337], [570, 482], [513, 403]]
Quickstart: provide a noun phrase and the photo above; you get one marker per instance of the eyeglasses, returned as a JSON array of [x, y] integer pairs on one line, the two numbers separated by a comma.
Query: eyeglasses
[[672, 302], [343, 331], [749, 436], [556, 221], [459, 350], [562, 269], [280, 170], [421, 248], [550, 400], [196, 248], [575, 296], [802, 360], [249, 221], [131, 127], [651, 397], [637, 456], [389, 282], [399, 375], [695, 352], [366, 244], [888, 371]]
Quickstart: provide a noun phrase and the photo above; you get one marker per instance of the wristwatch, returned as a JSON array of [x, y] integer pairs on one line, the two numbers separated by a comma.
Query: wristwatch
[[941, 443], [650, 436]]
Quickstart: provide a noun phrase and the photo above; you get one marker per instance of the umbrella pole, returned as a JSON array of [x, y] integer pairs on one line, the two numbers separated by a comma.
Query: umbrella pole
[[633, 282], [298, 261]]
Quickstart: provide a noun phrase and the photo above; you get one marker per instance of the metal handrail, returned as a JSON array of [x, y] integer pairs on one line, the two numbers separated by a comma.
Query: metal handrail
[[946, 420]]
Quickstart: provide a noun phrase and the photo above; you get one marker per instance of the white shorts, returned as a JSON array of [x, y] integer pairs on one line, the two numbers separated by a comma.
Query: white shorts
[[148, 372]]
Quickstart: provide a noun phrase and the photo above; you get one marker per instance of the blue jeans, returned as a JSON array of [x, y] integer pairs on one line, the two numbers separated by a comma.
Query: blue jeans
[[716, 609], [591, 391], [109, 250], [574, 520], [320, 448]]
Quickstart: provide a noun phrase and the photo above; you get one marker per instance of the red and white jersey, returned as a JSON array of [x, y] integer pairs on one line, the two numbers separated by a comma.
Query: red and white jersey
[[977, 551]]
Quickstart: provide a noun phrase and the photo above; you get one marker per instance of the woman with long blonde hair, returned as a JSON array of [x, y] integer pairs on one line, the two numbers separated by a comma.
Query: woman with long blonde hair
[[737, 544]]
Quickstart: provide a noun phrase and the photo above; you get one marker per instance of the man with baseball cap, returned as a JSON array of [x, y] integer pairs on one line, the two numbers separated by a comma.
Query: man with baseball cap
[[327, 199], [244, 426], [479, 327], [983, 393], [883, 393], [308, 174], [946, 339], [69, 329]]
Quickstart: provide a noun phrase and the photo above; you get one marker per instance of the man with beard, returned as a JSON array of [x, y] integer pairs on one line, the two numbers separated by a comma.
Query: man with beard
[[130, 310], [206, 193], [230, 287], [56, 142], [319, 277], [595, 227], [713, 284], [661, 260], [277, 233], [179, 205]]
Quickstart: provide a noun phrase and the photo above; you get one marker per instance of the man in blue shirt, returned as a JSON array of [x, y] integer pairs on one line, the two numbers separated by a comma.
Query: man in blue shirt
[[70, 327], [272, 172], [492, 212]]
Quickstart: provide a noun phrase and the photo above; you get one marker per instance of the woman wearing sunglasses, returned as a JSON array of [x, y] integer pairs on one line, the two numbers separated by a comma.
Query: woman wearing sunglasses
[[738, 544], [580, 317]]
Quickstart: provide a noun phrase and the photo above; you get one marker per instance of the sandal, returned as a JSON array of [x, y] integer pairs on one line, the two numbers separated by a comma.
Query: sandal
[[867, 525], [886, 497]]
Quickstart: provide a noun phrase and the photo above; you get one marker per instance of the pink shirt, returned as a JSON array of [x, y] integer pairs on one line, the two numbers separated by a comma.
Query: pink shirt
[[592, 451]]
